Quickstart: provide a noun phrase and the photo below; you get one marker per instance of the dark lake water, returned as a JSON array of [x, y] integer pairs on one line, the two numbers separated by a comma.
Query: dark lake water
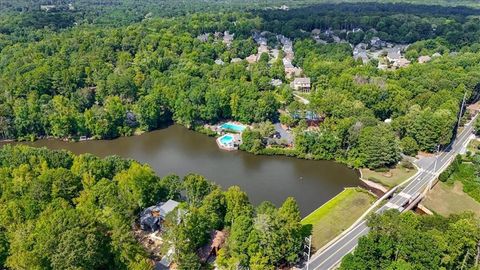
[[181, 151]]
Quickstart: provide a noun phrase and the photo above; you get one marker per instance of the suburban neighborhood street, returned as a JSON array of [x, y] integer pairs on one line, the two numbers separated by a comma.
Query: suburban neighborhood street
[[331, 256]]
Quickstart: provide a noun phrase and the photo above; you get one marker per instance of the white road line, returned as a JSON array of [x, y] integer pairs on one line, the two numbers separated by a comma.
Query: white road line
[[391, 205], [353, 238], [340, 239], [424, 176], [336, 263]]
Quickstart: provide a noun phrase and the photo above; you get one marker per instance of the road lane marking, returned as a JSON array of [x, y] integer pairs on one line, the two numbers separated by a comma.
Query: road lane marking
[[339, 240], [421, 180], [354, 238], [336, 263]]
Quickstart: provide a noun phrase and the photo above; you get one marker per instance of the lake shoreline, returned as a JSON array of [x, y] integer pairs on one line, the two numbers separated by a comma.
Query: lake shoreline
[[176, 149]]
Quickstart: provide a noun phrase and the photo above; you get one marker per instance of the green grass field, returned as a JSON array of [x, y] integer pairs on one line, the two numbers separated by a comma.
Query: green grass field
[[389, 179], [330, 219], [447, 199]]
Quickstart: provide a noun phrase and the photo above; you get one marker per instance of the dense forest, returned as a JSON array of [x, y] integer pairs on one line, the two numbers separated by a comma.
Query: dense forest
[[178, 7], [409, 241], [61, 211], [108, 81], [104, 69], [401, 23]]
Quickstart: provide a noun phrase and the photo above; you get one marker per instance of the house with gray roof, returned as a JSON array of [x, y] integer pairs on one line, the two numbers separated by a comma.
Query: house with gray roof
[[151, 217]]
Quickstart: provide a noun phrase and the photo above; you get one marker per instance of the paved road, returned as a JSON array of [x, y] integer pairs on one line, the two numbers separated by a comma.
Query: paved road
[[333, 254], [283, 133]]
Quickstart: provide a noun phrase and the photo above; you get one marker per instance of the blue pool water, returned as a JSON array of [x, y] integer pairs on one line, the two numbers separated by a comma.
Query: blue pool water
[[232, 126], [226, 139]]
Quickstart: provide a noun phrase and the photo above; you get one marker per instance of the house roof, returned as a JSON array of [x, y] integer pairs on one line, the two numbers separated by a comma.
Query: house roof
[[276, 82], [301, 80], [402, 62], [168, 207], [394, 54], [424, 59], [159, 210], [203, 37]]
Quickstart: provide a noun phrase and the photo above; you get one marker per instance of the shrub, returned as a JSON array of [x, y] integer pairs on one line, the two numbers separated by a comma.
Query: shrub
[[444, 176]]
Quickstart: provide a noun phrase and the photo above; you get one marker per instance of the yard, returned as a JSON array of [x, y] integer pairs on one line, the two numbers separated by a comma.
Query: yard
[[446, 199], [337, 215], [390, 178]]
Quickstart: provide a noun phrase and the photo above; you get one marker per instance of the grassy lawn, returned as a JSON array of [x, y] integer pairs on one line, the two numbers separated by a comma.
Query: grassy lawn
[[330, 219], [390, 178], [447, 199]]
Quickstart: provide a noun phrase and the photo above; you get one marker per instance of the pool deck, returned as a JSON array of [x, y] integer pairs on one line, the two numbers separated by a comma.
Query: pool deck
[[236, 140], [221, 129]]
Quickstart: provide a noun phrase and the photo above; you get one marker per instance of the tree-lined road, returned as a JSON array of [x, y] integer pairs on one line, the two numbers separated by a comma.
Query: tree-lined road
[[331, 256]]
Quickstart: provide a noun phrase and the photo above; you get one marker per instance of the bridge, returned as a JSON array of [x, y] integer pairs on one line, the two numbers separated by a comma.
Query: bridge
[[331, 255]]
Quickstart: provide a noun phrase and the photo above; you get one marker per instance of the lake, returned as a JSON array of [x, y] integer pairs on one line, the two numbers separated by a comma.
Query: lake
[[178, 150]]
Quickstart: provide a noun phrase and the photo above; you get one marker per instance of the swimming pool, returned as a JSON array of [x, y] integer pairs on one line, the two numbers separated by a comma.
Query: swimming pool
[[226, 139], [233, 127]]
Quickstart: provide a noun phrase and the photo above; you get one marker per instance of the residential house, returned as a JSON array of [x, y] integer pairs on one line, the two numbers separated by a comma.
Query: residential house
[[394, 54], [293, 72], [316, 32], [284, 40], [424, 59], [203, 37], [47, 8], [166, 260], [301, 84], [287, 63], [360, 52], [262, 49], [312, 118], [336, 39], [290, 69], [274, 54], [151, 218], [228, 38], [400, 63], [252, 58], [276, 82], [376, 42]]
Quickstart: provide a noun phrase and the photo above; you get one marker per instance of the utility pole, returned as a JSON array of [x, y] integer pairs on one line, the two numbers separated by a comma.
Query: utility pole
[[308, 246], [461, 110]]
